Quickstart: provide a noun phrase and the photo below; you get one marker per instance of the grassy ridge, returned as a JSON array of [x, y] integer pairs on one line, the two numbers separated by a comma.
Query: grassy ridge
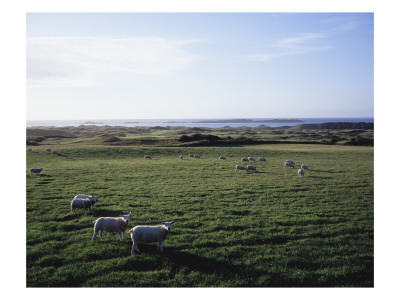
[[231, 228]]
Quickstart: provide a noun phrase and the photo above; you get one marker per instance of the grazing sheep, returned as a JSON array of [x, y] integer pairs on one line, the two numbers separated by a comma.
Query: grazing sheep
[[197, 156], [262, 159], [240, 167], [35, 170], [191, 155], [222, 157], [180, 156], [150, 234], [147, 156], [81, 203], [92, 199], [251, 158], [300, 172], [49, 150], [245, 159], [288, 164], [53, 152], [290, 161], [30, 150], [304, 166], [111, 224], [251, 168]]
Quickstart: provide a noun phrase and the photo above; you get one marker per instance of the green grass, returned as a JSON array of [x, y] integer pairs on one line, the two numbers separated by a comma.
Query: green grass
[[232, 228]]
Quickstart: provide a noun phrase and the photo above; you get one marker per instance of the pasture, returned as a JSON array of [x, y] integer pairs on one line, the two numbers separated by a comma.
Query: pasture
[[231, 228]]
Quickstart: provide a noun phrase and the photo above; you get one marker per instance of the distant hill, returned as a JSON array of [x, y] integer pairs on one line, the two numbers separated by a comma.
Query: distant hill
[[252, 121], [336, 125]]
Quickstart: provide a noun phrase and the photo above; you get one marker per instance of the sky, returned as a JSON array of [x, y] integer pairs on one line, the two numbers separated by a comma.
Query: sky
[[199, 65]]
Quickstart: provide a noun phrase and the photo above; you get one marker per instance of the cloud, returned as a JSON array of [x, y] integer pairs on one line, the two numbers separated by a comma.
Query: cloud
[[297, 45], [76, 61]]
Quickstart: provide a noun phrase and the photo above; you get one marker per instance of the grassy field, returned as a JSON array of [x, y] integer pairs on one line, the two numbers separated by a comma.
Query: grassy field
[[232, 228]]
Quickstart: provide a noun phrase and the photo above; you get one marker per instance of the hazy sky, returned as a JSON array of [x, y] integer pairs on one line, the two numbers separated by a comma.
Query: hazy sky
[[199, 65]]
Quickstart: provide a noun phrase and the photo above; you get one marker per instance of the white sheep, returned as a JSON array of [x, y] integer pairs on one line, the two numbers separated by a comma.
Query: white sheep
[[147, 156], [92, 199], [222, 157], [30, 150], [81, 203], [290, 161], [245, 159], [49, 150], [262, 159], [191, 155], [251, 168], [240, 167], [197, 156], [288, 164], [53, 152], [304, 166], [36, 170], [150, 234], [300, 172], [111, 224], [180, 156], [251, 158]]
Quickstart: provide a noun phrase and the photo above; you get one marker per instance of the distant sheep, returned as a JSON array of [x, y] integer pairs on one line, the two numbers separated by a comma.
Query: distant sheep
[[300, 172], [111, 224], [180, 156], [251, 158], [240, 167], [245, 159], [36, 170], [191, 155], [251, 168], [197, 156], [150, 234], [49, 150], [92, 199], [290, 161], [30, 150], [53, 152], [288, 164], [86, 204], [262, 159], [304, 166], [222, 157], [147, 156]]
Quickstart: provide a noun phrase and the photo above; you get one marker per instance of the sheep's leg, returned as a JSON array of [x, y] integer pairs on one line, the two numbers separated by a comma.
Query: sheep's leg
[[94, 236], [101, 234], [134, 247], [120, 236], [123, 235], [160, 246]]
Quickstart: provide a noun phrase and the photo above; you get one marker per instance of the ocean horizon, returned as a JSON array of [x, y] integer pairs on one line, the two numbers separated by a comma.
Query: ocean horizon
[[205, 122]]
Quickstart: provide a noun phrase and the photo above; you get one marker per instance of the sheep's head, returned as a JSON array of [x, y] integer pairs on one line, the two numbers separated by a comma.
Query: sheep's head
[[168, 225], [127, 217]]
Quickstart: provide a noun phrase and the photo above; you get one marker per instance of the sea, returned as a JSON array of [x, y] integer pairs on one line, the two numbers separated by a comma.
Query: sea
[[210, 123]]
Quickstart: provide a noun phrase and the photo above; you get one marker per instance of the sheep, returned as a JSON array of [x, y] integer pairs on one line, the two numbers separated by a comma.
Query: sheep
[[222, 157], [36, 170], [251, 168], [304, 166], [150, 234], [290, 161], [49, 150], [240, 167], [251, 158], [180, 156], [30, 150], [262, 159], [92, 199], [288, 164], [245, 159], [147, 156], [53, 152], [300, 172], [111, 224], [191, 155], [81, 203], [197, 156]]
